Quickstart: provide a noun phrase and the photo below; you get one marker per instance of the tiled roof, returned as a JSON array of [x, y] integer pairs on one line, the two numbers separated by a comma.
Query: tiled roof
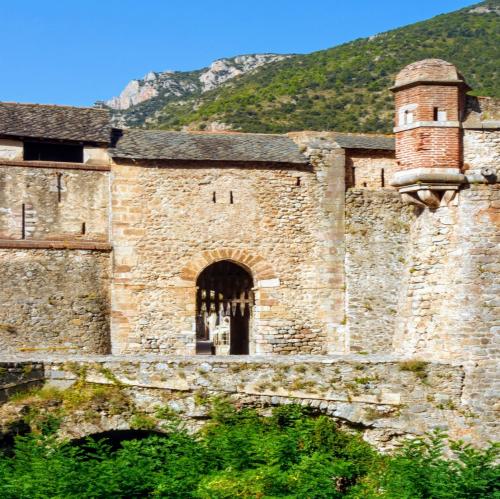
[[55, 122], [427, 69], [361, 141], [93, 125], [250, 147]]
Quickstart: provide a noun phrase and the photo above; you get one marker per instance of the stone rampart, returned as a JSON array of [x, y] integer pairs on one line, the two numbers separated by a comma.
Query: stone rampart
[[386, 397], [377, 235], [54, 301], [449, 306]]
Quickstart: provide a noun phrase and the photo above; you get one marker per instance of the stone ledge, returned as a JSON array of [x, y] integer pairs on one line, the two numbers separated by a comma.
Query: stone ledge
[[51, 357], [414, 176], [481, 125], [427, 124], [101, 167], [417, 82], [54, 245]]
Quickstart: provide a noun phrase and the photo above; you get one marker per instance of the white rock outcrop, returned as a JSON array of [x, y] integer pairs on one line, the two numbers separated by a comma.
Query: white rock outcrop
[[224, 69], [178, 83]]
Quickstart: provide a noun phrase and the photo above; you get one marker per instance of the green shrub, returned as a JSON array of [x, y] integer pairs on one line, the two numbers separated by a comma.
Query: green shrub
[[420, 470], [291, 454]]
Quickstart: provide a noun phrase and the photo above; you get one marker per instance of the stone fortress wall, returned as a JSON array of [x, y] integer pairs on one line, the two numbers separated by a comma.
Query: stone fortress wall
[[54, 300], [54, 254], [103, 257], [449, 307], [56, 288], [369, 169], [377, 241], [58, 275], [56, 204], [283, 224], [481, 150]]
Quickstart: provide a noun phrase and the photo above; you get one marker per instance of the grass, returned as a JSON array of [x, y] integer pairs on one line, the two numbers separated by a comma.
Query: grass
[[418, 367]]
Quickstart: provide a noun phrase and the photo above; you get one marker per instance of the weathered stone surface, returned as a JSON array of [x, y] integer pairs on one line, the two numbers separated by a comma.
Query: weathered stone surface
[[379, 394], [287, 233], [449, 308], [482, 149], [58, 204], [54, 300], [367, 169], [377, 240]]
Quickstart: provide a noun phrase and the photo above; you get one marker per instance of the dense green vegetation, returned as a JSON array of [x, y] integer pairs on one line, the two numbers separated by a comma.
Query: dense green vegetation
[[345, 88], [241, 454]]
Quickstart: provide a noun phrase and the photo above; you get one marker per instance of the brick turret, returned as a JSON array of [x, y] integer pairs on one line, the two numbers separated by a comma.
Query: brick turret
[[430, 103]]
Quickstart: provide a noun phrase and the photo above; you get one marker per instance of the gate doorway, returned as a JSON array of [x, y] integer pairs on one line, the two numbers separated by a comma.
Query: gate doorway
[[224, 301]]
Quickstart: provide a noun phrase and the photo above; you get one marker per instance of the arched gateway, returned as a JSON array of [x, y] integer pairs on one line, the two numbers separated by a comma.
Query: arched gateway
[[224, 302]]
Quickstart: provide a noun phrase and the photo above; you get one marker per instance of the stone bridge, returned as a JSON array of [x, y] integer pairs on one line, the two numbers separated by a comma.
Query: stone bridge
[[385, 397]]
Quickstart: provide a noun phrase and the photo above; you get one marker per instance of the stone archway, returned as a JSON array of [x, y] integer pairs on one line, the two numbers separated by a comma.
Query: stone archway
[[224, 303], [255, 264], [265, 284]]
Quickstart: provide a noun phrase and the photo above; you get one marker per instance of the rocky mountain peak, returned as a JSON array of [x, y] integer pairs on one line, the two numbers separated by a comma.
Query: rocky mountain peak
[[222, 70], [179, 83]]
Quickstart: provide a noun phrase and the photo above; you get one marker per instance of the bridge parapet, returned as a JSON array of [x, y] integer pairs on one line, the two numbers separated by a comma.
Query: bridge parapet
[[384, 396]]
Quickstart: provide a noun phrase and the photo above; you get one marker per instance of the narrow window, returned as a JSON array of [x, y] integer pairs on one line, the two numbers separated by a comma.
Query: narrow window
[[214, 198], [84, 228], [439, 115], [382, 177], [23, 221], [231, 199], [59, 187], [297, 182], [406, 114], [365, 184]]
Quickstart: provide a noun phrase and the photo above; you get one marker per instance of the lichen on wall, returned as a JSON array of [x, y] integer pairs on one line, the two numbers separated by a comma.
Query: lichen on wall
[[385, 398]]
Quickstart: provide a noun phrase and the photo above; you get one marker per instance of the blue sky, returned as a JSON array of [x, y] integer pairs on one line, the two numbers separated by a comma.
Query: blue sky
[[78, 51]]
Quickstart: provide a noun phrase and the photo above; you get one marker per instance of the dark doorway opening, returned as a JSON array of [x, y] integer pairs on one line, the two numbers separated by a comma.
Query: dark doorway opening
[[224, 303]]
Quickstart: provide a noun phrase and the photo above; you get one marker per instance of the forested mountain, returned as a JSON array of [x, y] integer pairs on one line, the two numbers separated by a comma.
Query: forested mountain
[[344, 88], [141, 99]]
